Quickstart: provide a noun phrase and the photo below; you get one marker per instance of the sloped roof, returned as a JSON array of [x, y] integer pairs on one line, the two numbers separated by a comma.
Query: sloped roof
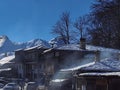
[[104, 74], [6, 69], [88, 47], [109, 64], [78, 67]]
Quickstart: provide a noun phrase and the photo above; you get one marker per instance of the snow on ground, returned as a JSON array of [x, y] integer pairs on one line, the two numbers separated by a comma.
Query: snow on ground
[[6, 60]]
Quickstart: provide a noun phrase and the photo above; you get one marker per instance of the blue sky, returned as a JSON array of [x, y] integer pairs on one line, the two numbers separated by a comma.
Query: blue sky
[[23, 20]]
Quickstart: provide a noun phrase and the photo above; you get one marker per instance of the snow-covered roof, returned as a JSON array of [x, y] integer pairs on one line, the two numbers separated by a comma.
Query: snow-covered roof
[[30, 48], [18, 49], [6, 60], [35, 47], [78, 67], [100, 74], [6, 69], [109, 64], [58, 80], [88, 47], [70, 47], [48, 50], [91, 47]]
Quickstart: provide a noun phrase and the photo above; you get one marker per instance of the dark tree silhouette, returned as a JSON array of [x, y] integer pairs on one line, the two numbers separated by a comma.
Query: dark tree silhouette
[[62, 27], [106, 23], [81, 24]]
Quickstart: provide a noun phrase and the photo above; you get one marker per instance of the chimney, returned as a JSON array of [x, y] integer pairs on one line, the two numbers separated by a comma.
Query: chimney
[[97, 56], [82, 43]]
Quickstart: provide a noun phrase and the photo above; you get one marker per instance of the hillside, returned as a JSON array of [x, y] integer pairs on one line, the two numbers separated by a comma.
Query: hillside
[[6, 45]]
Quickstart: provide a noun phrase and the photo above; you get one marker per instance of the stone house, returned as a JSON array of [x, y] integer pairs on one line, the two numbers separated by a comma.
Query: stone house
[[102, 75], [40, 64]]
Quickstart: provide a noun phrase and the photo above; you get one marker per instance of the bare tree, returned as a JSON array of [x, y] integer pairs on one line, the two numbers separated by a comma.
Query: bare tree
[[80, 24], [62, 27]]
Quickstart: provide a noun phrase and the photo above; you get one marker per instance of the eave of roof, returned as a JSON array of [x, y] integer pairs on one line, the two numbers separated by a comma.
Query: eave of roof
[[100, 74]]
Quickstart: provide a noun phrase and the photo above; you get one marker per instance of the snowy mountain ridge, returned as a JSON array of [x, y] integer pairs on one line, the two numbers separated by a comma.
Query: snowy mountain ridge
[[6, 45]]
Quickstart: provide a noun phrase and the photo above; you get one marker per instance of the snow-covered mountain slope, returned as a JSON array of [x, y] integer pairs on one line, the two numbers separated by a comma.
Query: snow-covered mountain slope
[[56, 42], [2, 55], [6, 63], [6, 60], [6, 45]]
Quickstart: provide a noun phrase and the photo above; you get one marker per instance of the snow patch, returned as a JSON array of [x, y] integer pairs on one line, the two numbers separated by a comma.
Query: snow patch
[[78, 67], [56, 42], [6, 59], [100, 74], [108, 64], [58, 80], [7, 45]]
